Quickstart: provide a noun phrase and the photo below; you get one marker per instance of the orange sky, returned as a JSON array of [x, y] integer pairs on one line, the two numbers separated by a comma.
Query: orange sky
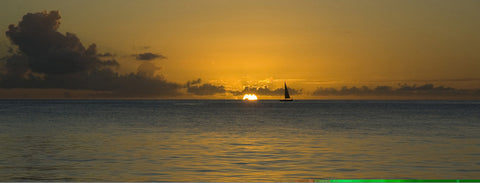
[[308, 44]]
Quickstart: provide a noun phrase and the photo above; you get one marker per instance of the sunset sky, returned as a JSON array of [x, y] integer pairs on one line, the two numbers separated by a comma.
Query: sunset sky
[[234, 44]]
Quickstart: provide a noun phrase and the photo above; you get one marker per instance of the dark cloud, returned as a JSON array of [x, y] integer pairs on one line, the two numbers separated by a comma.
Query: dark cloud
[[402, 90], [148, 69], [47, 58], [194, 82], [50, 51], [197, 88], [267, 91], [148, 56], [127, 85], [107, 54]]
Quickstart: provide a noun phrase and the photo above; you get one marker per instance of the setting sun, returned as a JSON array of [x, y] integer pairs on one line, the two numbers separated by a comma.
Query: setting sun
[[249, 97]]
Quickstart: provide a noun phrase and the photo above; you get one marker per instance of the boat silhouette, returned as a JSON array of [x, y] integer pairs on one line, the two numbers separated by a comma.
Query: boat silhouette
[[287, 96]]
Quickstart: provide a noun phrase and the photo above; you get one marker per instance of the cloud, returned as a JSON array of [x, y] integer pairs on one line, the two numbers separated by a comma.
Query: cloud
[[47, 58], [148, 56], [267, 91], [193, 82], [197, 88], [147, 69], [107, 54], [402, 90], [49, 51]]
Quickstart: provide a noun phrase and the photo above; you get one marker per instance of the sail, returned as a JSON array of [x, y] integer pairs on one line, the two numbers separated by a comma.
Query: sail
[[286, 91]]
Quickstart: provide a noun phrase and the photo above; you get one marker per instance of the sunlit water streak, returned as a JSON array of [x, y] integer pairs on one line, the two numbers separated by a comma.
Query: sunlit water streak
[[217, 140]]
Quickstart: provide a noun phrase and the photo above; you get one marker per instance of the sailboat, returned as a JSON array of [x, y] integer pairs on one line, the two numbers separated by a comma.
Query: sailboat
[[287, 96]]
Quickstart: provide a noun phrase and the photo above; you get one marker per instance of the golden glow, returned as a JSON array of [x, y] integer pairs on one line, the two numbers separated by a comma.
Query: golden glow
[[309, 44], [250, 97]]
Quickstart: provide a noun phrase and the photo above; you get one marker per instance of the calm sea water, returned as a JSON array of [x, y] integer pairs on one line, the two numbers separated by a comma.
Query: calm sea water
[[217, 140]]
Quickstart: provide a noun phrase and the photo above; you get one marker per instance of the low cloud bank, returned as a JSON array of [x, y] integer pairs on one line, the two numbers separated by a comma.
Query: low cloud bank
[[148, 56], [403, 90], [197, 88], [267, 91]]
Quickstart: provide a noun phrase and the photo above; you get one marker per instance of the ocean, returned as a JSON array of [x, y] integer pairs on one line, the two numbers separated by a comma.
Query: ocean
[[238, 141]]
